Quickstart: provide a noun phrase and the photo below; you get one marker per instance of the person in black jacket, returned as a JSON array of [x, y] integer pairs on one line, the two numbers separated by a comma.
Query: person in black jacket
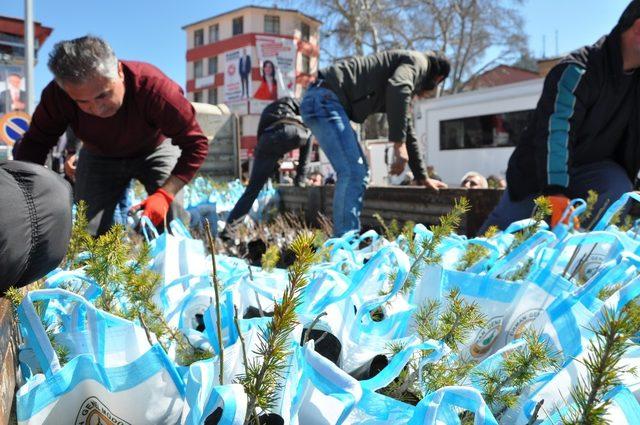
[[280, 130], [353, 89], [35, 222], [584, 132]]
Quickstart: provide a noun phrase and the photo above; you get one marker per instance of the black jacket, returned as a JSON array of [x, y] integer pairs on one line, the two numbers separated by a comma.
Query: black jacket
[[35, 222], [588, 112], [283, 108], [383, 82]]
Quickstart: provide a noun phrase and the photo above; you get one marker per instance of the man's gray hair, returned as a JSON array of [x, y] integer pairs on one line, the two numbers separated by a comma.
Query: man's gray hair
[[76, 61]]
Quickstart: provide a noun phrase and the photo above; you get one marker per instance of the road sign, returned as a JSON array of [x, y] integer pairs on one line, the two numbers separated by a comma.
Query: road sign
[[13, 125]]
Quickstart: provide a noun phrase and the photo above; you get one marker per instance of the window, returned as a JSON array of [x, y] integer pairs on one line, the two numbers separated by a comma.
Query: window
[[271, 24], [497, 130], [197, 69], [213, 65], [306, 64], [198, 38], [197, 96], [237, 25], [305, 31], [213, 96], [214, 33]]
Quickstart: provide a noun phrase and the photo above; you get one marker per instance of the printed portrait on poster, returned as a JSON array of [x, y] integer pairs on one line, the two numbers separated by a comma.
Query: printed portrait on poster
[[13, 96]]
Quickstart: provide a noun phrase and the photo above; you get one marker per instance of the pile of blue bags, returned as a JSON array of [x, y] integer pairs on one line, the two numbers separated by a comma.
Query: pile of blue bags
[[552, 282], [204, 200]]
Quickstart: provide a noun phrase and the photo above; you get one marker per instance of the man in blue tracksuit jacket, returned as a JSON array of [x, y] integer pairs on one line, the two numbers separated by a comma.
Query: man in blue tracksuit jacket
[[584, 132]]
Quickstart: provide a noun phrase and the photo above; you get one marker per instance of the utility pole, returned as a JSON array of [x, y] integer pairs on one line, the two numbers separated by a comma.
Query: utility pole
[[29, 54]]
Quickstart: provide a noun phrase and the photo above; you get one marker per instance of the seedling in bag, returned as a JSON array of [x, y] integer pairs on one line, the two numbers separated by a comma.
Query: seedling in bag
[[263, 378]]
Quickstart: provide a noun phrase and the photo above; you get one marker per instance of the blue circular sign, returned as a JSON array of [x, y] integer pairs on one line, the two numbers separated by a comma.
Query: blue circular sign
[[13, 125]]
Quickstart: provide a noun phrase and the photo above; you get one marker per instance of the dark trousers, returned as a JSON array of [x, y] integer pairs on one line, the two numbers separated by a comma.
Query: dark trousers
[[607, 178], [273, 144], [102, 181], [244, 82]]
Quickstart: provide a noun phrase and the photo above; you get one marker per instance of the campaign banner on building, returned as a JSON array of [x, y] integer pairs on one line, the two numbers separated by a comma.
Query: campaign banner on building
[[237, 78], [277, 57], [13, 95]]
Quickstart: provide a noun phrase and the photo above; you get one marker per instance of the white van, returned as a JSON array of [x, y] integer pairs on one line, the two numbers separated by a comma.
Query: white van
[[476, 130]]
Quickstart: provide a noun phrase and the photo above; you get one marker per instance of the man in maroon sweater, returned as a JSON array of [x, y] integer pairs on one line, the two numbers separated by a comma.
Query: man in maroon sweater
[[123, 112]]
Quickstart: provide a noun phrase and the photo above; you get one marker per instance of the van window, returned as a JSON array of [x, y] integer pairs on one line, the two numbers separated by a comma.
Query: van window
[[485, 131]]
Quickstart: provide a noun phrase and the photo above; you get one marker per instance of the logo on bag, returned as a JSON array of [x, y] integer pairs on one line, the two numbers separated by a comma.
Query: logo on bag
[[94, 412], [590, 266], [521, 324], [486, 337]]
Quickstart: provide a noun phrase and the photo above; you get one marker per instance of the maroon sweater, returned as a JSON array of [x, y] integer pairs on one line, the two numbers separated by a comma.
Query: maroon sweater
[[154, 109]]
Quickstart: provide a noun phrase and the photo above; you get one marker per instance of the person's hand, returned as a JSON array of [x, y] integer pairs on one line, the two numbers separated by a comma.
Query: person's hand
[[401, 158], [559, 204], [70, 167], [431, 184], [155, 206]]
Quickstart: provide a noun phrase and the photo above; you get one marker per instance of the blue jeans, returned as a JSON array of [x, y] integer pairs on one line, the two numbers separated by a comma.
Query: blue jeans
[[607, 178], [323, 113]]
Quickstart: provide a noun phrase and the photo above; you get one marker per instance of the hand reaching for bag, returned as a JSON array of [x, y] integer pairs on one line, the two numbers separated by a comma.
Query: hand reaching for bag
[[559, 204], [155, 206]]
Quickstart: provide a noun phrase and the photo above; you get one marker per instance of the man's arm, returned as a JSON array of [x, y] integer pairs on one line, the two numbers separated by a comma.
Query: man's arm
[[414, 152], [47, 125], [399, 93], [175, 117], [559, 116]]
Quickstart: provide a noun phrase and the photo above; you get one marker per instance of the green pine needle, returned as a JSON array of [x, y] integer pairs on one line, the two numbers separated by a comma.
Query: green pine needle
[[270, 258], [606, 349], [264, 375]]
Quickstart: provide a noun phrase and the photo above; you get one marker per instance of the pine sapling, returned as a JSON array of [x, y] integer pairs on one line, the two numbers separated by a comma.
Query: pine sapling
[[263, 375], [80, 237], [610, 341], [429, 255], [392, 231], [270, 258], [592, 200], [452, 323], [542, 211], [502, 386], [216, 288], [474, 253]]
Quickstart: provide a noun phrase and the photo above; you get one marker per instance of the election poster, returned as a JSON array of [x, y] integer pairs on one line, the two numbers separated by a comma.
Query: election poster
[[237, 77], [277, 62], [13, 95]]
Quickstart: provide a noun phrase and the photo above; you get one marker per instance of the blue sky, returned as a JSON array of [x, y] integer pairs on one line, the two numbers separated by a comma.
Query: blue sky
[[150, 30]]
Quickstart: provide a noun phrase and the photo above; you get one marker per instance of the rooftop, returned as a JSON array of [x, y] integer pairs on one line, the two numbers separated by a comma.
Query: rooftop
[[252, 7], [15, 26]]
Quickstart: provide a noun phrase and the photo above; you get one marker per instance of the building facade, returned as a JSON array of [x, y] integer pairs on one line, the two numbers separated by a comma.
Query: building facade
[[12, 61], [14, 120], [248, 57]]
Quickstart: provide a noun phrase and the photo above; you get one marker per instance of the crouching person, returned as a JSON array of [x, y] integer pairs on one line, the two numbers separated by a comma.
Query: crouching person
[[280, 131]]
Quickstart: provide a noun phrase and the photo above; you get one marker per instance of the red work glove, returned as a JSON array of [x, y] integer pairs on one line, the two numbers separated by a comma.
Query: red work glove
[[155, 206], [559, 204]]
